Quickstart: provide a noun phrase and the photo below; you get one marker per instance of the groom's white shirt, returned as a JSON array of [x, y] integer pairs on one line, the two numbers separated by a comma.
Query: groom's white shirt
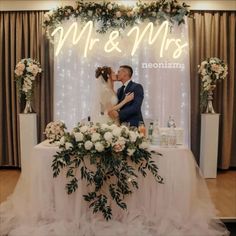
[[126, 83]]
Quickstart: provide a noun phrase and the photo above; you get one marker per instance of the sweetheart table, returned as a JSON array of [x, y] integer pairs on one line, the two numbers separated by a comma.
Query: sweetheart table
[[40, 204]]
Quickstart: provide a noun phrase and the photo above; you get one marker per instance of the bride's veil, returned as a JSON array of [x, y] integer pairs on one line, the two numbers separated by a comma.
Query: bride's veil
[[97, 93]]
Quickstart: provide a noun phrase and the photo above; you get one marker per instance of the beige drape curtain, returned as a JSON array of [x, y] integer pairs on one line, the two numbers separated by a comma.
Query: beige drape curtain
[[21, 36], [212, 34]]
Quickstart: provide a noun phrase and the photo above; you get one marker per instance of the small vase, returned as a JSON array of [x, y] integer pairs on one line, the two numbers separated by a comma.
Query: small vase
[[28, 107], [209, 108]]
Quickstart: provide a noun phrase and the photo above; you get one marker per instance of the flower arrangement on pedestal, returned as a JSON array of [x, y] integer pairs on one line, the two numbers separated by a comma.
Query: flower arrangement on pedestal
[[110, 159], [211, 70], [25, 74]]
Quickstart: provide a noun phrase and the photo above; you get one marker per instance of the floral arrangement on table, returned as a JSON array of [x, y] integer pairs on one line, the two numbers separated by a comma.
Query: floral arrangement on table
[[110, 159], [54, 131], [25, 74], [111, 15]]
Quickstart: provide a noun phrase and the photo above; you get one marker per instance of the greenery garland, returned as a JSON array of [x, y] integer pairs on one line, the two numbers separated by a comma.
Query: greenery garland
[[110, 159], [109, 15]]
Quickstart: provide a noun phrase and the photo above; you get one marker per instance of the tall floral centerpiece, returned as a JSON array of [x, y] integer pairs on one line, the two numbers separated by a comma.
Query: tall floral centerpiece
[[211, 70], [25, 74]]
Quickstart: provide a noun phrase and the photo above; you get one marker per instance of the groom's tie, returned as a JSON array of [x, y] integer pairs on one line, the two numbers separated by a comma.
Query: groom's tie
[[122, 92]]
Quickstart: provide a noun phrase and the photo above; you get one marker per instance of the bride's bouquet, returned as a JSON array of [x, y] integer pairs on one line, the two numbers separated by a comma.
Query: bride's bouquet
[[25, 73], [110, 159]]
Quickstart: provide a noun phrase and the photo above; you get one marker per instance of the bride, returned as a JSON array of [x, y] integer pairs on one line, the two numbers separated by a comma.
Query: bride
[[106, 98]]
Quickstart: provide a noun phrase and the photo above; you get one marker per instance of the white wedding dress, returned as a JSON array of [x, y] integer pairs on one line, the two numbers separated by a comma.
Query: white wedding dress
[[104, 99]]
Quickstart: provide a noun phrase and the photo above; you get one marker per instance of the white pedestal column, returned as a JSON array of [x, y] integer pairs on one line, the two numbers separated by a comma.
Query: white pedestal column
[[28, 138], [209, 144]]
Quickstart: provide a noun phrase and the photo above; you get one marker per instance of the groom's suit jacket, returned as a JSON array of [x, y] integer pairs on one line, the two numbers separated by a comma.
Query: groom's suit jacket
[[131, 111]]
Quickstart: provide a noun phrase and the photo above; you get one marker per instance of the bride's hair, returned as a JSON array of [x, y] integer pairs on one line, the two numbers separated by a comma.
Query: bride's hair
[[104, 71]]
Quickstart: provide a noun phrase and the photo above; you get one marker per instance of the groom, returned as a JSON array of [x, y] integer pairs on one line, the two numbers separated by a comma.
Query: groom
[[130, 112]]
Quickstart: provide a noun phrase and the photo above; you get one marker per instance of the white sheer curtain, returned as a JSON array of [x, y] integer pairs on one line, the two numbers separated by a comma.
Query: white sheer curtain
[[166, 81]]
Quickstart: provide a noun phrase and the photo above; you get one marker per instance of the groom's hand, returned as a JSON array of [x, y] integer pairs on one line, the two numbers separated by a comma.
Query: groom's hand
[[113, 114]]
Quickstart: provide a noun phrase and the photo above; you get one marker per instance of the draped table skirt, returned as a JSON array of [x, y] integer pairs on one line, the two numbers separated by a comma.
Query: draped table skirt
[[181, 206]]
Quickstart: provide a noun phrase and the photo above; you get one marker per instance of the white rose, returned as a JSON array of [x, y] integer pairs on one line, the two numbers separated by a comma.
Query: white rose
[[116, 132], [132, 136], [109, 7], [79, 136], [88, 145], [99, 147], [68, 145], [130, 151], [108, 137], [62, 140], [143, 145], [95, 137], [84, 128]]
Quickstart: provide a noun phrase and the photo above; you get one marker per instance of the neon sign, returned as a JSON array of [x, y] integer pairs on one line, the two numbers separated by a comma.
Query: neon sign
[[113, 43]]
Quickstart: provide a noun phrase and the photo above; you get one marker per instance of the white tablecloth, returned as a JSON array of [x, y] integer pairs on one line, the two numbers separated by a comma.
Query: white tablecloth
[[181, 206]]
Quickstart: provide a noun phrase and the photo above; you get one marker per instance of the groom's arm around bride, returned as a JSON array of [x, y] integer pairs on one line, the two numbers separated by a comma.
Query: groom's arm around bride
[[130, 112]]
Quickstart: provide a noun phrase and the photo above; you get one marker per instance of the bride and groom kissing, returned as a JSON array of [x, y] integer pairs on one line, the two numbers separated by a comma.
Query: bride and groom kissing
[[123, 106]]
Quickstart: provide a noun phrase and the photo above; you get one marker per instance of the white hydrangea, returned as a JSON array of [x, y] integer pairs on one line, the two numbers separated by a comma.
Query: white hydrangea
[[108, 137], [79, 136], [116, 132], [95, 137], [88, 145], [99, 147], [113, 126], [104, 126], [84, 128]]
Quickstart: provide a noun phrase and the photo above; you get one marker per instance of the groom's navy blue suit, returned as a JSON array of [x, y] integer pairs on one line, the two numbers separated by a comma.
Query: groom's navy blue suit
[[131, 111]]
